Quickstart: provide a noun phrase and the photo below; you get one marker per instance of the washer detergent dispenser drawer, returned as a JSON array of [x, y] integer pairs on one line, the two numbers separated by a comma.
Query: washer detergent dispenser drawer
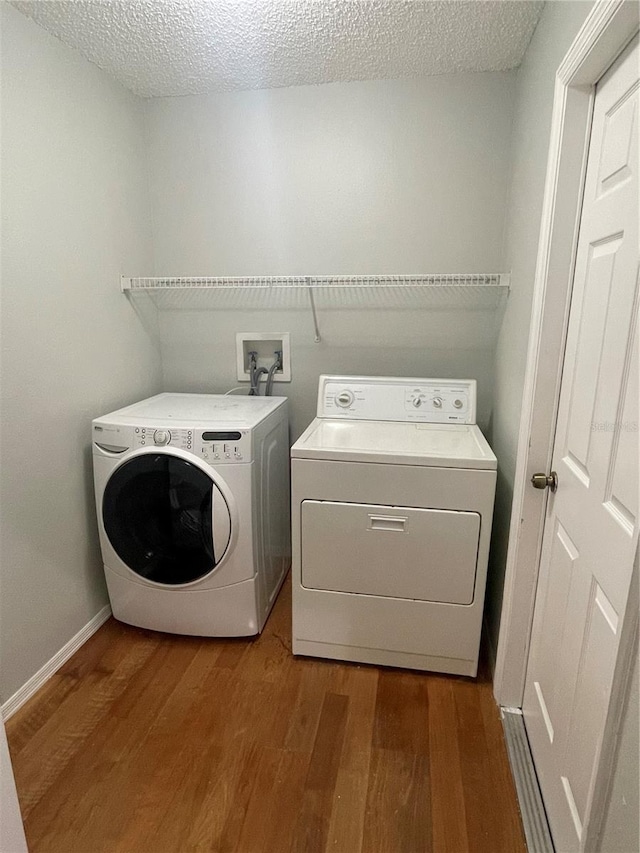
[[399, 552]]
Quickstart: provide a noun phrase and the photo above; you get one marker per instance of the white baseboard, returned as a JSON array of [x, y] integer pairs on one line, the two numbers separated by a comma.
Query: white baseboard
[[52, 666]]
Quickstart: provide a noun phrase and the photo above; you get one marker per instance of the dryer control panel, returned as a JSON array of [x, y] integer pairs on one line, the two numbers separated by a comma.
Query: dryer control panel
[[389, 398]]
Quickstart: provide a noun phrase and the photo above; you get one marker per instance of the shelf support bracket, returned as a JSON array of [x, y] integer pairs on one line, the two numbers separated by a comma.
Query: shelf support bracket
[[312, 303]]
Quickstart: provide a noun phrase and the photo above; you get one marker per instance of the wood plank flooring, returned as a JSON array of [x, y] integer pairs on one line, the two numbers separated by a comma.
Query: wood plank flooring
[[149, 743]]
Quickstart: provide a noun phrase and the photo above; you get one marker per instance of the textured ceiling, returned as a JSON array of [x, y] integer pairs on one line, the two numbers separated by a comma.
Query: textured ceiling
[[173, 47]]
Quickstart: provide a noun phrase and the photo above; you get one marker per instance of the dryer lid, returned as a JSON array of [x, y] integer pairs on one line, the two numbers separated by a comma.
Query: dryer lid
[[442, 446]]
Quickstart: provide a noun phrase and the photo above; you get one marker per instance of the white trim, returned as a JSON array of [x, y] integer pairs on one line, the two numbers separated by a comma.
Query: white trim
[[604, 35], [516, 711], [606, 32], [534, 820], [52, 666]]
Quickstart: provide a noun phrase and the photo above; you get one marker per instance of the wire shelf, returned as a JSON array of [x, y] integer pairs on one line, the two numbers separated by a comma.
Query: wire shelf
[[438, 292], [132, 284]]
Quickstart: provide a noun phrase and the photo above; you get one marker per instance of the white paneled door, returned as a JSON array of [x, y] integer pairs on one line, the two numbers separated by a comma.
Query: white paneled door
[[591, 529]]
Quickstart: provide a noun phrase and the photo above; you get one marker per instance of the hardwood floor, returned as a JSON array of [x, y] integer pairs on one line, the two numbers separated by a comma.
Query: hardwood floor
[[149, 743]]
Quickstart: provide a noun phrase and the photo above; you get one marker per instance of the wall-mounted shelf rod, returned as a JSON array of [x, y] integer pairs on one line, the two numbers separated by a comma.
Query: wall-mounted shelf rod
[[312, 302]]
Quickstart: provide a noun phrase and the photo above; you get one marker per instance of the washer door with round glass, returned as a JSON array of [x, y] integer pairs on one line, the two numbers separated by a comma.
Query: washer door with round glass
[[166, 519]]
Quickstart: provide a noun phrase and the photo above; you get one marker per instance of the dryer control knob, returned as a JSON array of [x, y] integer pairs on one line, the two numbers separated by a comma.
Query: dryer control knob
[[344, 399], [437, 402], [162, 436]]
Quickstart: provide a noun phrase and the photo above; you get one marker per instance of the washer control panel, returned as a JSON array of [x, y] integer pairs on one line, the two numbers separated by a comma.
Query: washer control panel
[[213, 446], [219, 446], [397, 399], [151, 436]]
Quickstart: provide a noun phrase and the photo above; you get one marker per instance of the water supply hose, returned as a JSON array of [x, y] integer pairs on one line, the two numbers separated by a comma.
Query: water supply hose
[[255, 373], [277, 364]]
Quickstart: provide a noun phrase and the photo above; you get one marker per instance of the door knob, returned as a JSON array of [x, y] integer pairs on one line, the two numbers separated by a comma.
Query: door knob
[[545, 481]]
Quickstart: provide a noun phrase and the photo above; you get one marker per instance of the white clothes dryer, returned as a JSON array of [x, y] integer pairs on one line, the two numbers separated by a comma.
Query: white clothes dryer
[[192, 497], [392, 499]]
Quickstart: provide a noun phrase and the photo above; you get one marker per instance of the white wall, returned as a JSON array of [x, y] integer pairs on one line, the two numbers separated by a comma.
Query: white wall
[[75, 217], [377, 177], [558, 25], [199, 349]]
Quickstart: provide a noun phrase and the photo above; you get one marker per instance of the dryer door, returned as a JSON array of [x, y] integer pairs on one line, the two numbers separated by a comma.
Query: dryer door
[[165, 518]]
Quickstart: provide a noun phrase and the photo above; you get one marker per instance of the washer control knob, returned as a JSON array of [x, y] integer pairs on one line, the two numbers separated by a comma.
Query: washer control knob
[[437, 402], [344, 399], [162, 436], [457, 404], [417, 401]]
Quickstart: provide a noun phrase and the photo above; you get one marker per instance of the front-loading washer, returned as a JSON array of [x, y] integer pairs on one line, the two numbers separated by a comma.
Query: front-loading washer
[[393, 488], [192, 498]]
